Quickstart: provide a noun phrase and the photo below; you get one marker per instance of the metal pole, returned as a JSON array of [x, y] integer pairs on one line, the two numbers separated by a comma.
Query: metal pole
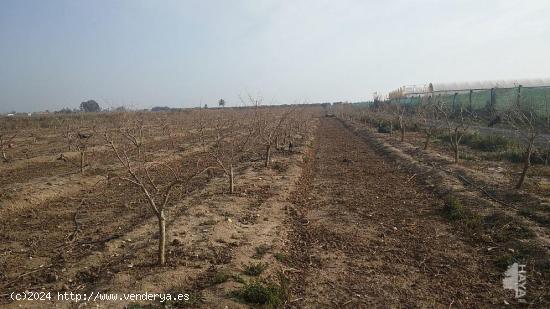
[[470, 100]]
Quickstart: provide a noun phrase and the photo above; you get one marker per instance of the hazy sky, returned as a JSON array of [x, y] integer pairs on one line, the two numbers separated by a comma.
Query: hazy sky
[[178, 53]]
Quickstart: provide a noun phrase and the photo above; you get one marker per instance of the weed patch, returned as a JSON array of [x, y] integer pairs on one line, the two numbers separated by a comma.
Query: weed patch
[[220, 277], [255, 269], [454, 210], [261, 250], [269, 294], [281, 257], [502, 227]]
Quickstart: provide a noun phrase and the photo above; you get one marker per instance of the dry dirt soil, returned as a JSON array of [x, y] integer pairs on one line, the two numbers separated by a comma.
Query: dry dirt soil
[[367, 236], [346, 227]]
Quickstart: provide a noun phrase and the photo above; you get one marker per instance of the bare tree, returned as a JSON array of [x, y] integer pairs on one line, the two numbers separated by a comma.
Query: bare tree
[[138, 173], [230, 137], [168, 130], [458, 121], [269, 125], [293, 124], [384, 111], [133, 131], [523, 117], [67, 132], [83, 140], [401, 110], [5, 143], [79, 134], [429, 119]]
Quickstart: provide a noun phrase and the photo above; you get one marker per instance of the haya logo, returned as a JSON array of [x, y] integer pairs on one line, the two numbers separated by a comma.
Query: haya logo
[[515, 278]]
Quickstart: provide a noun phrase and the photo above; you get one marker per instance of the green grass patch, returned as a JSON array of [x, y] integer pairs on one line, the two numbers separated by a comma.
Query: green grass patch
[[261, 250], [255, 269], [503, 227], [484, 142], [220, 277], [209, 222], [526, 212], [522, 253], [533, 215], [238, 278], [281, 257], [454, 210], [385, 128], [495, 147], [503, 261], [489, 143], [270, 294]]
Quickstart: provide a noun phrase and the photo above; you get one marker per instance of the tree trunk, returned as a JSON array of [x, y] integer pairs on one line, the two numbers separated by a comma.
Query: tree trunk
[[526, 164], [4, 157], [427, 142], [277, 142], [402, 128], [162, 238], [455, 143], [231, 180], [81, 162], [456, 151], [267, 155]]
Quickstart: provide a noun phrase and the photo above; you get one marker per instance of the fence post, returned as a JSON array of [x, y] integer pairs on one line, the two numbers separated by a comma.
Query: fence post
[[454, 101], [547, 112], [519, 95], [470, 100], [492, 102]]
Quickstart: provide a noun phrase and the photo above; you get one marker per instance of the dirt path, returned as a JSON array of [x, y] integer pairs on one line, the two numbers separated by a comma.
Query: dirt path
[[366, 234]]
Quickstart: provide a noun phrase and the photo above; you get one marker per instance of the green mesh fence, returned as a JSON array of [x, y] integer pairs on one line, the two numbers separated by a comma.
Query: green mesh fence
[[498, 99]]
